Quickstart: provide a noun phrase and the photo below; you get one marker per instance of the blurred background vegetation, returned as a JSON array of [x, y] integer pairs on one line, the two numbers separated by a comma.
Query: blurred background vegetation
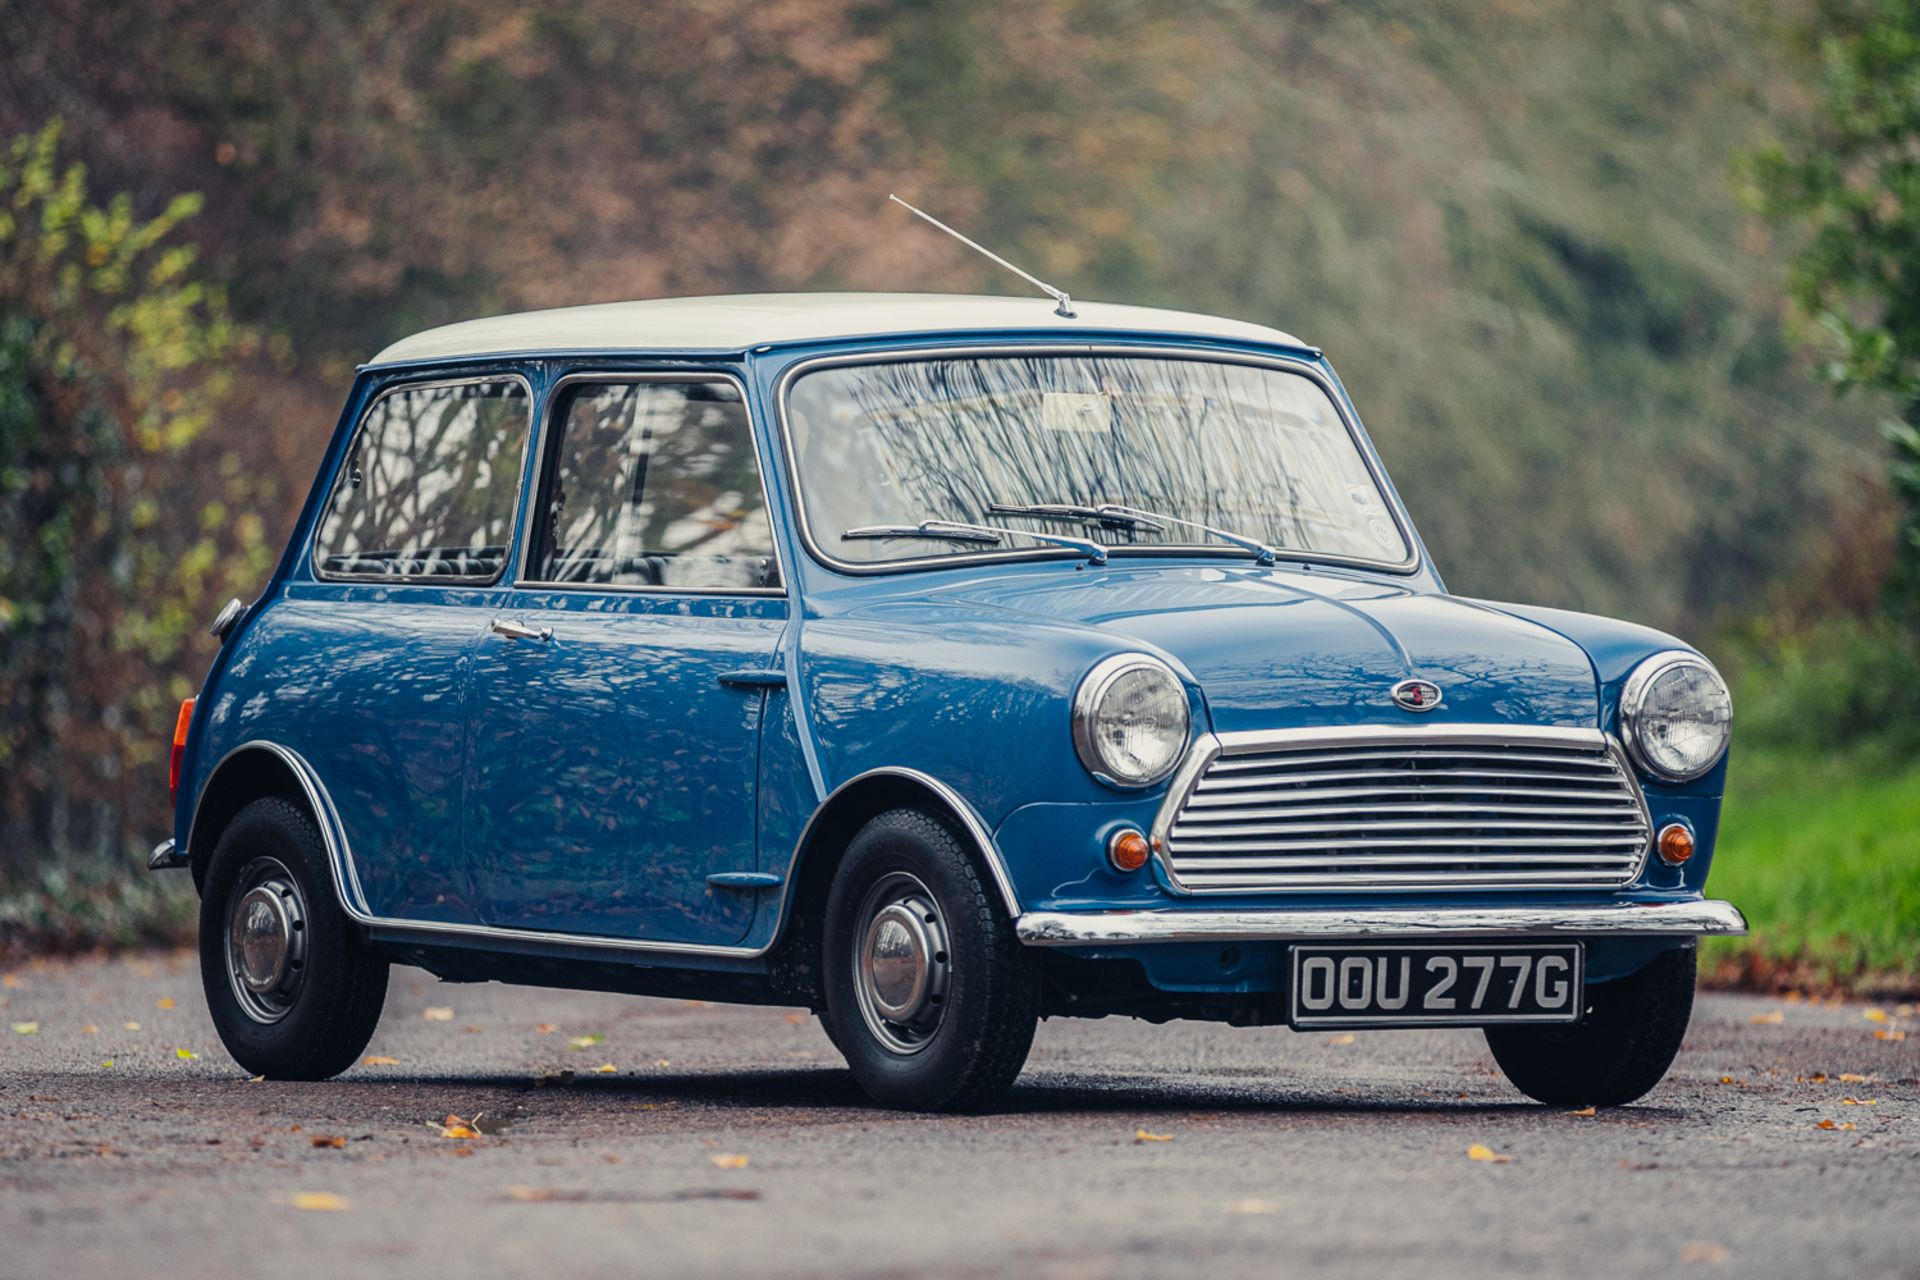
[[1585, 269]]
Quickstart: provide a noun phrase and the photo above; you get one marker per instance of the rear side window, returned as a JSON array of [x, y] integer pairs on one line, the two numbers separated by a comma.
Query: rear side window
[[654, 484], [428, 489]]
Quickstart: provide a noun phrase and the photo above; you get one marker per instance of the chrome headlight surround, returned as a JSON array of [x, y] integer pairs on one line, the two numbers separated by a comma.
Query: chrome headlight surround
[[1136, 676], [1648, 696]]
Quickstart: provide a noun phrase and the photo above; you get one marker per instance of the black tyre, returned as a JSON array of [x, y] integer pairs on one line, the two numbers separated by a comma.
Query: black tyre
[[294, 991], [1630, 1036], [930, 997]]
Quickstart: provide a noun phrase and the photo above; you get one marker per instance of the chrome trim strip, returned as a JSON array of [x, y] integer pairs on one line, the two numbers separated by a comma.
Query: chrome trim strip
[[1211, 746], [340, 856], [1055, 347], [1618, 920], [519, 492], [543, 439]]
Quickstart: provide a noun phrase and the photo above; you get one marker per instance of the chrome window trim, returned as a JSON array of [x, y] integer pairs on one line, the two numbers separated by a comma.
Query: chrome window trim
[[344, 875], [1086, 698], [1211, 746], [360, 425], [540, 466], [1633, 694], [783, 390]]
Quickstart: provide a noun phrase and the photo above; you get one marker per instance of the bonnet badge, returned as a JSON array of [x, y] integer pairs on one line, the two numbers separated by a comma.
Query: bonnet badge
[[1416, 695]]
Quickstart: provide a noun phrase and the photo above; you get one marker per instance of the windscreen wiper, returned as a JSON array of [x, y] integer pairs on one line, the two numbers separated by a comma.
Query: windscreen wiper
[[958, 531], [1114, 515]]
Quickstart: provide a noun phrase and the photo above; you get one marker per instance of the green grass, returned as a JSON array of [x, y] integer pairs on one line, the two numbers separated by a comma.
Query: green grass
[[1822, 853]]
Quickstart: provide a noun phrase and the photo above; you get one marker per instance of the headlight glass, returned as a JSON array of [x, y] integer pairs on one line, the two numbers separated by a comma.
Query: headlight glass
[[1677, 715], [1130, 721]]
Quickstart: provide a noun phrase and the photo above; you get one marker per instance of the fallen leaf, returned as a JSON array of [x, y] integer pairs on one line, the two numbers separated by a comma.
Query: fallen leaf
[[1594, 1111], [1141, 1135], [454, 1127], [1735, 1080], [437, 1013], [721, 1160], [1855, 1077], [256, 1080], [1859, 1102], [1487, 1155], [1828, 1124], [26, 1028], [185, 1055], [1874, 1015], [131, 1026], [335, 1142], [164, 1002], [90, 1030], [1773, 1019], [463, 1152], [10, 982], [107, 1063], [473, 1031], [319, 1201], [1252, 1206], [545, 1029], [796, 1018], [1346, 1038], [661, 1062], [586, 1041], [541, 1195], [379, 1060], [605, 1069], [1885, 1034], [1818, 1077], [1704, 1251]]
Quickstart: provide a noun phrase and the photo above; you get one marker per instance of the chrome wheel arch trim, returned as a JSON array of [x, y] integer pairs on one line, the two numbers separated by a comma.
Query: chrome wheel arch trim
[[347, 890]]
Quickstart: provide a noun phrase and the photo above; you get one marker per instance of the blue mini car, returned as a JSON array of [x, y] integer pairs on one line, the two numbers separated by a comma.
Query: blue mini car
[[938, 664]]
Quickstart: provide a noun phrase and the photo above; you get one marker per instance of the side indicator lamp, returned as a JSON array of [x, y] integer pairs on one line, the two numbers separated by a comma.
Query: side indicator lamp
[[1676, 844], [179, 748], [1128, 850]]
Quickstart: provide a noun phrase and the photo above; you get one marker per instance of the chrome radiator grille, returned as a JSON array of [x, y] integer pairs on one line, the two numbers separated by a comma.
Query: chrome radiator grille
[[1404, 809]]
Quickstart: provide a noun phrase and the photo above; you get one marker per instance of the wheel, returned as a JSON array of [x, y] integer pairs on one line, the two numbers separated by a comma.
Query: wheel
[[1622, 1048], [930, 997], [295, 994]]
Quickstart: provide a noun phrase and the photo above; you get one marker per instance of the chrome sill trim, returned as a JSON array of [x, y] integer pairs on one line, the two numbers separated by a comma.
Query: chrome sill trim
[[1658, 919]]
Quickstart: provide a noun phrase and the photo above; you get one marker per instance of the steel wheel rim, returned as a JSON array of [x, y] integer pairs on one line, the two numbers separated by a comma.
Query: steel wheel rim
[[266, 940], [901, 963]]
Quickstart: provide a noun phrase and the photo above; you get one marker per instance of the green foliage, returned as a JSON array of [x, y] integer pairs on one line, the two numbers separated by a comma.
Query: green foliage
[[1841, 685], [1852, 180], [1820, 851], [114, 355]]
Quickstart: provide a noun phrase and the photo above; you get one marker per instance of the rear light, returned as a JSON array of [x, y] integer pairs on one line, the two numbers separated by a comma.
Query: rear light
[[179, 748]]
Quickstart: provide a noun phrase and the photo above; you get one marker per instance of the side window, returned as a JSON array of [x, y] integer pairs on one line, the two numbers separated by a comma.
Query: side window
[[428, 489], [653, 484]]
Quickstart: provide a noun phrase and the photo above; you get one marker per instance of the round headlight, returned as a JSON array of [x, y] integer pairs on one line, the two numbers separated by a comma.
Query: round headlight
[[1130, 720], [1677, 716]]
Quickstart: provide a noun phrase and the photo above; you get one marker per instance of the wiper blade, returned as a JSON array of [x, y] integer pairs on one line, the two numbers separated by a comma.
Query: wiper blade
[[958, 531], [1114, 515]]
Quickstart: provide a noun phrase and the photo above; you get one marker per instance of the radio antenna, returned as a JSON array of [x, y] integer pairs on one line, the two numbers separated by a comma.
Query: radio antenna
[[1065, 307]]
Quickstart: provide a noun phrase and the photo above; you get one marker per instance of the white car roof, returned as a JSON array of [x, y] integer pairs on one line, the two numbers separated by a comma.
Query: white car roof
[[743, 321]]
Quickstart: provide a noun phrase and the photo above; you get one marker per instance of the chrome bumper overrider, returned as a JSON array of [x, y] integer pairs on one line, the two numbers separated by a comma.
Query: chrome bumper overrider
[[1092, 928], [165, 857]]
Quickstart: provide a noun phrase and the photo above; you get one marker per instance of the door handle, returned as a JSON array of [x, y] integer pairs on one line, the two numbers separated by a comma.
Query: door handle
[[508, 629]]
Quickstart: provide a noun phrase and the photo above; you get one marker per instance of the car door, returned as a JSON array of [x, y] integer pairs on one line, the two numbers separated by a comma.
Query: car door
[[370, 685], [613, 749]]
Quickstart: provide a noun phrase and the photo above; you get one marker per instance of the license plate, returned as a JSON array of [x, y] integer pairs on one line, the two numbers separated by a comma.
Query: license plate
[[1422, 985]]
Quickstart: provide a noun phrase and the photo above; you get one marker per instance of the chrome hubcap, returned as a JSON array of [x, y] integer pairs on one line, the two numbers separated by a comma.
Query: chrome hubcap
[[901, 963], [266, 940]]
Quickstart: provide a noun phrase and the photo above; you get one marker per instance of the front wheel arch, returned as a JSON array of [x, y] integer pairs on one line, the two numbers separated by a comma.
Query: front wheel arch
[[795, 964], [250, 772]]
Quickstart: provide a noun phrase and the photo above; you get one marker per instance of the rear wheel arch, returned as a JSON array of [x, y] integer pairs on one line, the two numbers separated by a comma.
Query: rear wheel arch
[[247, 773], [796, 963]]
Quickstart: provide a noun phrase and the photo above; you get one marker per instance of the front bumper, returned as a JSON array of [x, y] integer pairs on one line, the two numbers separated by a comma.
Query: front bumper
[[1614, 920]]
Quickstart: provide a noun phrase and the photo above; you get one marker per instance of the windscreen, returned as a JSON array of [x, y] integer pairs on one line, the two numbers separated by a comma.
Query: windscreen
[[1252, 449]]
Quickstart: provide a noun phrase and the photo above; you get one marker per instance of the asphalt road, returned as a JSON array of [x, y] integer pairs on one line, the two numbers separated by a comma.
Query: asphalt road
[[1284, 1153]]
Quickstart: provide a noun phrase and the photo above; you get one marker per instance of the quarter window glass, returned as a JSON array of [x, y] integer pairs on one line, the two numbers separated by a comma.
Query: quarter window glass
[[428, 489], [654, 484]]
